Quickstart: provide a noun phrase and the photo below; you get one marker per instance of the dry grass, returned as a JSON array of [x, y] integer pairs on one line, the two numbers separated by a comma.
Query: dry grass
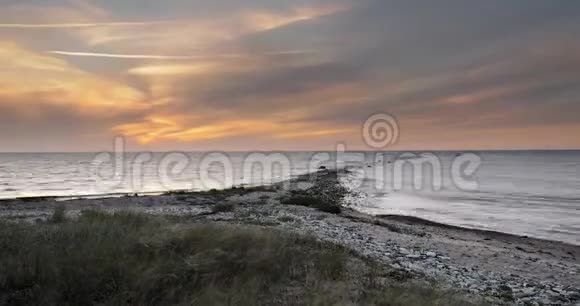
[[223, 207], [134, 259], [314, 202], [59, 214]]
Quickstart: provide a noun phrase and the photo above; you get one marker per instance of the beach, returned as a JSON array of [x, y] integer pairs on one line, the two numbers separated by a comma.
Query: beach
[[501, 268], [312, 152]]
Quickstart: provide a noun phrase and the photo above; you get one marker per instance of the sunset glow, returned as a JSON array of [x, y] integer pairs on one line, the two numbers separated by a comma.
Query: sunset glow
[[287, 75]]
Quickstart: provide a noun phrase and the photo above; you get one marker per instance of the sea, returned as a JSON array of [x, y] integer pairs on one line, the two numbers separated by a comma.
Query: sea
[[531, 193]]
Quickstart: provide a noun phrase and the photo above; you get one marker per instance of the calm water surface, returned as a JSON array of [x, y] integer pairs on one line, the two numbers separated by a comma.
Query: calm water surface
[[534, 193]]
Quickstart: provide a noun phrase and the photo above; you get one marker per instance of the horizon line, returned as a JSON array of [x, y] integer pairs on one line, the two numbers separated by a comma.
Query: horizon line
[[289, 151]]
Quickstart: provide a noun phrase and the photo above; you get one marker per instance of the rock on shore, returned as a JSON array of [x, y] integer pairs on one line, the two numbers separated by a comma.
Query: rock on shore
[[501, 268]]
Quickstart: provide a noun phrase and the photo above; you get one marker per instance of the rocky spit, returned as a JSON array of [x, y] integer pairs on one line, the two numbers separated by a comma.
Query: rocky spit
[[499, 268]]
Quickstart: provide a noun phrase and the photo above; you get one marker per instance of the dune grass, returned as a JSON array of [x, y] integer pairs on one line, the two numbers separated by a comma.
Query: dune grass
[[318, 203], [223, 207], [134, 259]]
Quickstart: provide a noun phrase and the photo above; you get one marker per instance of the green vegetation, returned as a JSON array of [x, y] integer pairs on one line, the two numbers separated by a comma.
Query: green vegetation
[[314, 202], [223, 207], [59, 214], [225, 192], [178, 193], [134, 259], [286, 219]]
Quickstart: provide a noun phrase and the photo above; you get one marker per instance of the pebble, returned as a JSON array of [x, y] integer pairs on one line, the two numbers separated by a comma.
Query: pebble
[[574, 295], [525, 294], [404, 251], [361, 238], [427, 264]]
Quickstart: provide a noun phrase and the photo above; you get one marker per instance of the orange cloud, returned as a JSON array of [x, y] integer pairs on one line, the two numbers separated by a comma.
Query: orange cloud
[[315, 133], [158, 128], [264, 20], [28, 78], [171, 69], [175, 127], [202, 33]]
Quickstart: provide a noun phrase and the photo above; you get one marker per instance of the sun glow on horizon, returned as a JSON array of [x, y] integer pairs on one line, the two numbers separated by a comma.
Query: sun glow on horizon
[[288, 72]]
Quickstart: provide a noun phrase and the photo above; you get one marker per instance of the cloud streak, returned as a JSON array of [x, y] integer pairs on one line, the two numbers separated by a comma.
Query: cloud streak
[[128, 56], [174, 57], [300, 74], [81, 25], [53, 81]]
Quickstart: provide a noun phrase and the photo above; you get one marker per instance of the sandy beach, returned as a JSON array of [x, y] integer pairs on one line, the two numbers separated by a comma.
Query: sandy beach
[[501, 268]]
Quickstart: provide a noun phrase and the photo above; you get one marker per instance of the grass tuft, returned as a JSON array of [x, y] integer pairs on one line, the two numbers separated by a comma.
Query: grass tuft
[[134, 259], [286, 219], [314, 202], [58, 214], [223, 207], [127, 258]]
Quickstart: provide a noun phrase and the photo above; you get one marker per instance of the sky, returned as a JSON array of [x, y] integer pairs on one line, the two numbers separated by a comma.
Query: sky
[[268, 75]]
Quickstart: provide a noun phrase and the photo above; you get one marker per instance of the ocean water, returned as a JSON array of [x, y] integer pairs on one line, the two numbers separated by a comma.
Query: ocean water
[[534, 193], [89, 174]]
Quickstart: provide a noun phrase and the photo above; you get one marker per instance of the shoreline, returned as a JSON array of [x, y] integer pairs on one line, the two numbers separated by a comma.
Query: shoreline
[[407, 219], [500, 266], [498, 235]]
